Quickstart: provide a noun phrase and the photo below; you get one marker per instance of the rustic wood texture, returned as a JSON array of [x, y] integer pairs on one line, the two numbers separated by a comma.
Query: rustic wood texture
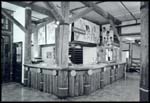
[[62, 45], [101, 11], [34, 8], [62, 38], [54, 11], [80, 15], [87, 85], [102, 78], [28, 26], [71, 85], [63, 84], [112, 75], [144, 82], [29, 78]]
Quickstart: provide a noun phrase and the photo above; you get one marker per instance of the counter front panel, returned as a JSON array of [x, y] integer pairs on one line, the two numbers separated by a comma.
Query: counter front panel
[[72, 81]]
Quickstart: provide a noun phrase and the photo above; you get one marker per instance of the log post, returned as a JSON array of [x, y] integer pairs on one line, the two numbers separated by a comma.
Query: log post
[[144, 81], [62, 46], [27, 52], [27, 56], [62, 38]]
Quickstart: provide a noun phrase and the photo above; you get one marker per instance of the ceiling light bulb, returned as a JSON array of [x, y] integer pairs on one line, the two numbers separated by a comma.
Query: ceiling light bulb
[[57, 22]]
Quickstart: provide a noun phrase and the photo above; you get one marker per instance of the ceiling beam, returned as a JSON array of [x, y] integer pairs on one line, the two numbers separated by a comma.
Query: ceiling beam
[[44, 23], [54, 11], [12, 19], [33, 7], [83, 17], [135, 24], [131, 34], [100, 11], [80, 15], [84, 6], [38, 26], [129, 11], [45, 19]]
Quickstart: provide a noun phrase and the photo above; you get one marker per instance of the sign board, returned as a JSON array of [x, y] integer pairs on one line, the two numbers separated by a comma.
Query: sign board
[[86, 31]]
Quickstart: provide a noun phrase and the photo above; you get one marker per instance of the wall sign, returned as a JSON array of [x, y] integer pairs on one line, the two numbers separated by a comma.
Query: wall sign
[[90, 31]]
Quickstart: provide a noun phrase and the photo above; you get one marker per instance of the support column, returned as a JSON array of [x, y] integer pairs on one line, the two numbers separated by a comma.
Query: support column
[[144, 81], [62, 37], [27, 55], [27, 49], [62, 46]]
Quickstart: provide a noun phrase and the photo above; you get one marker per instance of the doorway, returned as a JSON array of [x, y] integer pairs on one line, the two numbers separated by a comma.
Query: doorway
[[5, 58], [17, 62]]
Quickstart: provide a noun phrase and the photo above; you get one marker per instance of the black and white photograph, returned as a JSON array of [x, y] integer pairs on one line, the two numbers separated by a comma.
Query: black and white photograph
[[66, 51]]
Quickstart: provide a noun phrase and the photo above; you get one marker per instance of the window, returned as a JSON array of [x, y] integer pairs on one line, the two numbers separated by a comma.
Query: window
[[6, 24]]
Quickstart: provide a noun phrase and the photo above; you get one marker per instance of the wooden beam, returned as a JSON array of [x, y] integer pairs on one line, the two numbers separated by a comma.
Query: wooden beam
[[100, 11], [114, 29], [131, 34], [12, 19], [129, 11], [45, 19], [135, 24], [33, 7], [84, 6], [144, 81], [54, 11], [28, 26], [71, 12], [80, 15], [43, 24]]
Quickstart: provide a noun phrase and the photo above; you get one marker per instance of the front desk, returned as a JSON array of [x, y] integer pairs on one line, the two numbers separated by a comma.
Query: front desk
[[73, 81]]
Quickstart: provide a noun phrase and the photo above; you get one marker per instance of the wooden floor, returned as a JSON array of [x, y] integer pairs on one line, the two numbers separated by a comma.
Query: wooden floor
[[121, 90]]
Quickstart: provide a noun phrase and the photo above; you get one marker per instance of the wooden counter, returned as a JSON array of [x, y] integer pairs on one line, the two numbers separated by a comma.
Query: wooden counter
[[77, 79]]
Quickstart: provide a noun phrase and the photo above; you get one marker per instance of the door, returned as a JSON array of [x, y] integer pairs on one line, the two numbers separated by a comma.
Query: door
[[17, 62], [5, 58]]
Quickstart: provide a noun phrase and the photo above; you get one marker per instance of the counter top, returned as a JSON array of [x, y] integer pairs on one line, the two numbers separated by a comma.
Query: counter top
[[80, 67]]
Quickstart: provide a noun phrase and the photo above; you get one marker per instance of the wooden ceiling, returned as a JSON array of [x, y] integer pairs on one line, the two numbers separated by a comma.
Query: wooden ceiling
[[116, 9]]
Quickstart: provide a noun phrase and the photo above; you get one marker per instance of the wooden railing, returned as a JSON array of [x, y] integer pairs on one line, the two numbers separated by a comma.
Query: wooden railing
[[77, 81]]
